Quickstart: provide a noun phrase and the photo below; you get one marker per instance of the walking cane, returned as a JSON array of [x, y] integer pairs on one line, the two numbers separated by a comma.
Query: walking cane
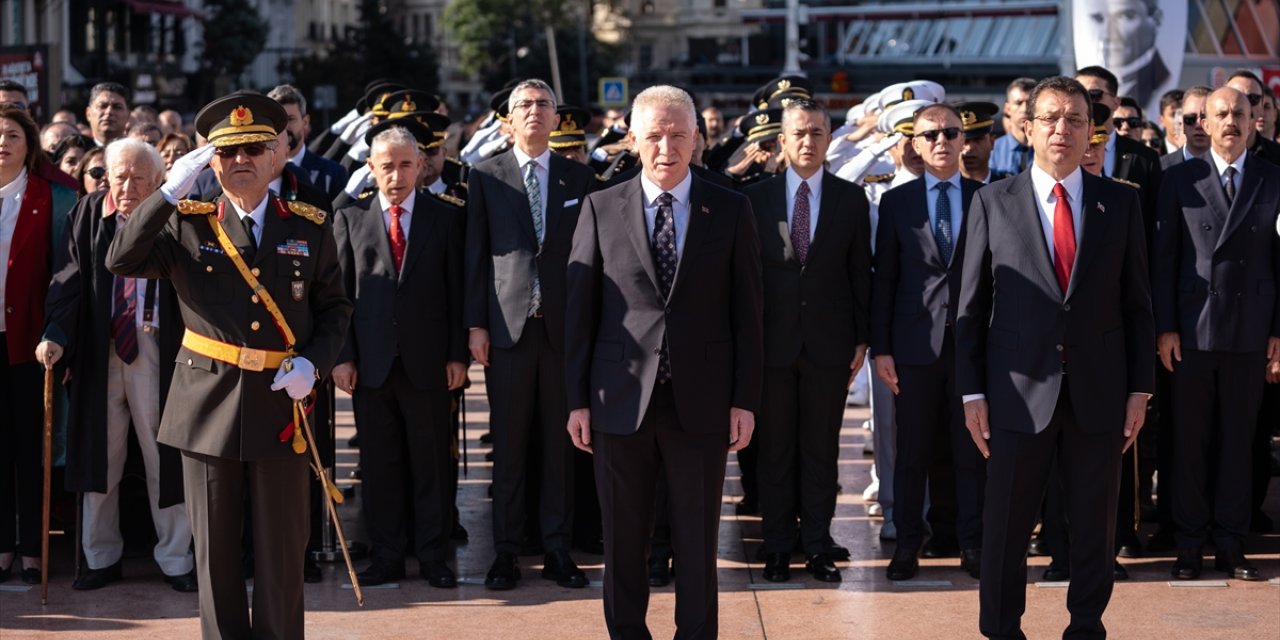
[[48, 485]]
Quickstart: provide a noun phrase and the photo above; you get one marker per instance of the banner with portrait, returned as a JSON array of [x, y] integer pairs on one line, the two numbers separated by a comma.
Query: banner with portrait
[[1141, 41]]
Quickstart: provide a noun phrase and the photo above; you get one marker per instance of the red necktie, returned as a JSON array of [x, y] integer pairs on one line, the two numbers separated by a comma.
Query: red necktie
[[1064, 237], [397, 236]]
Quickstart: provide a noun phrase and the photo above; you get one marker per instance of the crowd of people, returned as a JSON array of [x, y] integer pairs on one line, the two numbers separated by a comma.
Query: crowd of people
[[1069, 328]]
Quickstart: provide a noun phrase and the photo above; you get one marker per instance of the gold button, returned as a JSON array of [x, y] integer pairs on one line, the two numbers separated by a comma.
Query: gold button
[[254, 325], [209, 269], [254, 271], [254, 298], [189, 362], [297, 274]]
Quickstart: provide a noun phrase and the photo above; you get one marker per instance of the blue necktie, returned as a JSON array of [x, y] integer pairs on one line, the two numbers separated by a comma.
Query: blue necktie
[[942, 228]]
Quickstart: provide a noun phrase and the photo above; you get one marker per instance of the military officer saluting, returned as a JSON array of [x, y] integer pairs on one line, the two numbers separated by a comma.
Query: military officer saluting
[[262, 298]]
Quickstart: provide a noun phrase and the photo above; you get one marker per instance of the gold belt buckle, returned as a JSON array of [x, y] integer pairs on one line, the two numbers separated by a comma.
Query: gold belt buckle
[[252, 359]]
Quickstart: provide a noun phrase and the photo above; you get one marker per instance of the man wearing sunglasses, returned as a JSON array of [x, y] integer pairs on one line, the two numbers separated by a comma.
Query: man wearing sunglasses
[[1127, 119], [1196, 139], [1125, 159], [262, 298], [919, 250], [1247, 83]]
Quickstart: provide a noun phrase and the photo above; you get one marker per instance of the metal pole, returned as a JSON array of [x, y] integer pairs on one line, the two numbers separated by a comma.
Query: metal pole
[[792, 64], [583, 20], [555, 62]]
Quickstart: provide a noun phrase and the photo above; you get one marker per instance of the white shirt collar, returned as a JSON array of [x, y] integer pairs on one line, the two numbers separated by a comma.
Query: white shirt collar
[[275, 185], [16, 186], [1222, 164], [438, 186], [680, 193], [794, 180], [297, 157], [259, 213], [1073, 183], [407, 205], [930, 181], [522, 158], [1186, 153]]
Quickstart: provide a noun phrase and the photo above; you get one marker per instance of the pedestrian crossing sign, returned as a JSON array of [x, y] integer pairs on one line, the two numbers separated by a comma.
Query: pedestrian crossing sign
[[613, 92]]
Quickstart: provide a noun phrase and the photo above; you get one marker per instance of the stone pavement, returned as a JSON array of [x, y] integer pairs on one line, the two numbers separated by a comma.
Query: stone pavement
[[940, 603]]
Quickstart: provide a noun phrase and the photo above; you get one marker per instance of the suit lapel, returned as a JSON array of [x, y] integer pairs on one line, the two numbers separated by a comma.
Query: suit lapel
[[778, 208], [632, 212], [232, 224], [512, 174], [423, 224], [921, 195], [1093, 228], [699, 220], [556, 190], [1024, 212], [1244, 201], [36, 197], [827, 211], [966, 198]]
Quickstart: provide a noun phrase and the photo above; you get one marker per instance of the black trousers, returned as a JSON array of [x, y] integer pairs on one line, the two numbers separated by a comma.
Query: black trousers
[[405, 467], [527, 404], [1268, 424], [798, 445], [932, 439], [1215, 411], [1017, 474], [21, 445], [627, 468]]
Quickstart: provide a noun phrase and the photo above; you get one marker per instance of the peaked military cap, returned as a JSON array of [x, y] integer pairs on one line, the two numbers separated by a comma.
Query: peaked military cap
[[241, 118], [572, 129]]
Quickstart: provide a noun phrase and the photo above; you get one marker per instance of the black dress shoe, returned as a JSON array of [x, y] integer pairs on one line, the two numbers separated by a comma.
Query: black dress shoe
[[503, 574], [971, 562], [1038, 547], [1162, 541], [354, 441], [940, 547], [1237, 567], [559, 567], [7, 572], [380, 572], [438, 574], [92, 579], [904, 565], [777, 567], [1056, 573], [311, 571], [185, 583], [823, 568], [1129, 547], [659, 570], [1188, 564], [32, 576], [459, 533], [837, 552], [486, 437], [748, 506], [1121, 573]]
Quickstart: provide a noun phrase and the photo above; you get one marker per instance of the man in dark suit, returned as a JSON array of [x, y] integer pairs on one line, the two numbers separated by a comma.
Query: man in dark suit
[[401, 257], [1215, 267], [1250, 85], [1126, 159], [121, 338], [815, 337], [663, 359], [1197, 141], [261, 296], [919, 247], [521, 215], [1053, 356], [325, 174]]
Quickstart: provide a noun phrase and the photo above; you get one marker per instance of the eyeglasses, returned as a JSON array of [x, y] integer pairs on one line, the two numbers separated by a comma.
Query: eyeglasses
[[97, 173], [1073, 121], [1133, 122], [950, 133], [1095, 95], [1190, 119], [431, 152], [530, 105], [253, 149], [1255, 99]]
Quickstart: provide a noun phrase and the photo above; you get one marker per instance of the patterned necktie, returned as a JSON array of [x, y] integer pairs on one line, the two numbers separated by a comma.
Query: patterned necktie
[[1229, 187], [397, 236], [665, 259], [533, 190], [124, 312], [942, 227], [1064, 237], [800, 223]]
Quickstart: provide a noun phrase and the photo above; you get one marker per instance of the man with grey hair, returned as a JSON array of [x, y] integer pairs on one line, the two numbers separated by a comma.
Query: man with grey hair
[[664, 359], [522, 211], [327, 175], [116, 333]]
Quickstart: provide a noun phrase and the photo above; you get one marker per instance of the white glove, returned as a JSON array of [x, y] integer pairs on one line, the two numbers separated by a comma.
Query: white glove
[[359, 151], [297, 382], [341, 125], [182, 177], [854, 169], [356, 129], [471, 151], [360, 178]]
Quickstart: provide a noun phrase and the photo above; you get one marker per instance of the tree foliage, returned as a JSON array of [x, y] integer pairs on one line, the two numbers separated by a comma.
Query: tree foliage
[[234, 35]]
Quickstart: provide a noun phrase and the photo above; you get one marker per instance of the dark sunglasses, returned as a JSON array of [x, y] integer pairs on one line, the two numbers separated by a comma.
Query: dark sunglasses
[[1096, 94], [97, 173], [1255, 99], [950, 133], [1190, 119], [1133, 122], [252, 150], [1155, 143]]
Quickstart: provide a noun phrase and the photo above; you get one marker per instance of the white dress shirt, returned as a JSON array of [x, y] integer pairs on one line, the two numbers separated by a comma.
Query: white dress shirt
[[1042, 184], [297, 157], [10, 207], [953, 194], [815, 197], [406, 218], [1222, 165], [439, 186], [542, 170], [679, 207], [259, 215]]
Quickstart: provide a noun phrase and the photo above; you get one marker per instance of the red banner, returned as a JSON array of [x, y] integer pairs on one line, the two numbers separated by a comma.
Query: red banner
[[28, 65]]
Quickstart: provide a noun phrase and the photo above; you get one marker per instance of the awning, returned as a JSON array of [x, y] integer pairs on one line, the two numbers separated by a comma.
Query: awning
[[167, 7]]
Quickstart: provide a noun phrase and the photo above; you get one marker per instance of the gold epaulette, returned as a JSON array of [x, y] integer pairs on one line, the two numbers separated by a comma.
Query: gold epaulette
[[453, 200], [196, 207], [878, 178], [453, 160], [601, 178], [1128, 182], [366, 193], [307, 211]]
